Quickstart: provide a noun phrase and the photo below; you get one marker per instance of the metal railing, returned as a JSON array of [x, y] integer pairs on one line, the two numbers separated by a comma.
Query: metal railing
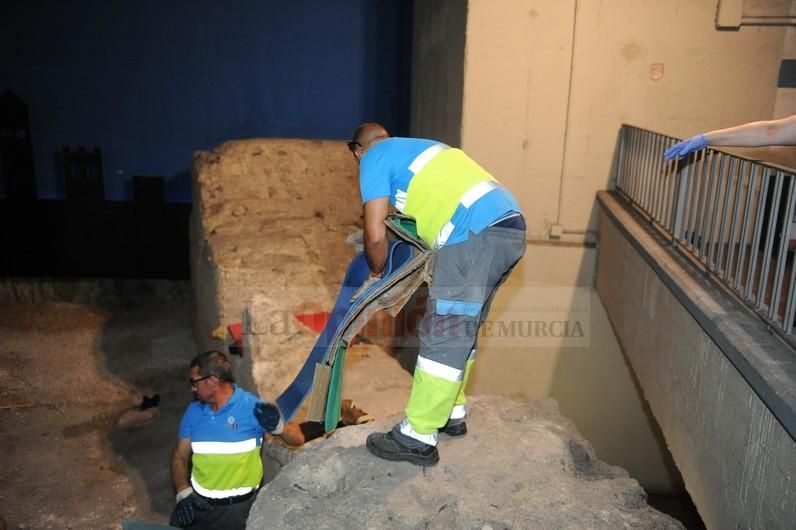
[[732, 214]]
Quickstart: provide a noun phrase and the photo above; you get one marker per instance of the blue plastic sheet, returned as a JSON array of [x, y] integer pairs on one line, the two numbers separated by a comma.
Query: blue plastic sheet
[[342, 315]]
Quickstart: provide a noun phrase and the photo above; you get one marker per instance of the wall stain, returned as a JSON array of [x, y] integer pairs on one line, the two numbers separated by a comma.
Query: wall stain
[[631, 51]]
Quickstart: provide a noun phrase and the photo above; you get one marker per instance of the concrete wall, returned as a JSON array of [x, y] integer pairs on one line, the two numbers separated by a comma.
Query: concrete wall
[[546, 86], [736, 458], [588, 375]]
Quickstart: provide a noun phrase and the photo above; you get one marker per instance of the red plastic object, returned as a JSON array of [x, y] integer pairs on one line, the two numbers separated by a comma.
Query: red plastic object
[[315, 321], [236, 332]]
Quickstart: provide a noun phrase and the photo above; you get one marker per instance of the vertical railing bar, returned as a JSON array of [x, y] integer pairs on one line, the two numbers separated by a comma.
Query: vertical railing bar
[[674, 190], [688, 218], [774, 210], [668, 186], [790, 304], [626, 164], [782, 252], [688, 198], [663, 175], [642, 137], [654, 155], [761, 208], [725, 213], [644, 173], [637, 165], [631, 174], [699, 184], [721, 179], [734, 224], [677, 203], [747, 213], [656, 177], [620, 158], [708, 210]]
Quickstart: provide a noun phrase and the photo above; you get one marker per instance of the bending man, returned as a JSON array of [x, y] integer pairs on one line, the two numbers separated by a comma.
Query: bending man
[[477, 232]]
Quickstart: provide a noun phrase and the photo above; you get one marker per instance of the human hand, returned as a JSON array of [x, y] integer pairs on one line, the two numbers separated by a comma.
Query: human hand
[[187, 501], [371, 279], [269, 417], [681, 149]]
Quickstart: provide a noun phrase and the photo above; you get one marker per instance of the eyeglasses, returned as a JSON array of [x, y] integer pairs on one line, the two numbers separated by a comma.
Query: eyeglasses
[[193, 382], [353, 146]]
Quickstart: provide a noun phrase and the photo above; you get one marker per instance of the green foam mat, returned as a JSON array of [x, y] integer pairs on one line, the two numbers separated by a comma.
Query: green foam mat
[[335, 387]]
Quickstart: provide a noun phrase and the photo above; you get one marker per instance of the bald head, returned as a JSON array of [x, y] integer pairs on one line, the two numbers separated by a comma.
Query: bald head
[[369, 132]]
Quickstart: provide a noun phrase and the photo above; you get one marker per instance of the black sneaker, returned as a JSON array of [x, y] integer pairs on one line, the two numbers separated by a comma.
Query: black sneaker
[[455, 429], [386, 446]]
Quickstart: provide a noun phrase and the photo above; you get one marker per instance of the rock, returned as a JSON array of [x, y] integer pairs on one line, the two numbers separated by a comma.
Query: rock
[[520, 466]]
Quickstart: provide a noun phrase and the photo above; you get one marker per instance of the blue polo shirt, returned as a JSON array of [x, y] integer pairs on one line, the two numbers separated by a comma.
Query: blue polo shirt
[[225, 444], [389, 166]]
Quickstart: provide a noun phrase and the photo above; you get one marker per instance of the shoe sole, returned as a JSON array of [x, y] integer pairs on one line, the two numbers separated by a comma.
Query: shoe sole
[[404, 457], [458, 430]]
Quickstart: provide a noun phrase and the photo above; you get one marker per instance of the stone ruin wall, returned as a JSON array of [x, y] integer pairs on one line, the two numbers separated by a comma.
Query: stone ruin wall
[[268, 228]]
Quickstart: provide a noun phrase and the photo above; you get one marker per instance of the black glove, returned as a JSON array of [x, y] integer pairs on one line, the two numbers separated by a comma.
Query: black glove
[[269, 417], [187, 502]]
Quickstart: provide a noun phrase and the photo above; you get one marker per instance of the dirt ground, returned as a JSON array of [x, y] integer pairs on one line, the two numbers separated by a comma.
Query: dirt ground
[[68, 373], [77, 453]]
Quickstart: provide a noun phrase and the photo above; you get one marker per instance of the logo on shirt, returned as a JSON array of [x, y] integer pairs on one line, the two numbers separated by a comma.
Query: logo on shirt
[[231, 421]]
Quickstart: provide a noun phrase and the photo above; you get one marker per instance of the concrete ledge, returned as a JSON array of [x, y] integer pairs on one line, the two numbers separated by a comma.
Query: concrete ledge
[[721, 386]]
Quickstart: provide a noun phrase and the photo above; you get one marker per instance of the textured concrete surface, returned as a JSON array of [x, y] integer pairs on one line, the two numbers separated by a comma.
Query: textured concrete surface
[[736, 458], [550, 478], [269, 224]]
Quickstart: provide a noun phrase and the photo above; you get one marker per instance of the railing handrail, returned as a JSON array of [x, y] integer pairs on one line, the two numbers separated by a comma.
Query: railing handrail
[[731, 213], [718, 149]]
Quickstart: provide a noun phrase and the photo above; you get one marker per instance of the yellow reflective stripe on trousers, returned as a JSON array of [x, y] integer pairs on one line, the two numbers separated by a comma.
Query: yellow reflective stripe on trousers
[[432, 396]]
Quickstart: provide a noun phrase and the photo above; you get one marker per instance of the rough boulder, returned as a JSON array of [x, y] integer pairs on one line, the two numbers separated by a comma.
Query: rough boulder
[[520, 466]]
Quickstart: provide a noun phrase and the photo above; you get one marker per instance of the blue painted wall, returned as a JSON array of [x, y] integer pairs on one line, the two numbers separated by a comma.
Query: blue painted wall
[[152, 81]]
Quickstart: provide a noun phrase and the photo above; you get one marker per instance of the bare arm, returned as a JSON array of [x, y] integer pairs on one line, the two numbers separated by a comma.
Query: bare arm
[[376, 233], [756, 134], [179, 464]]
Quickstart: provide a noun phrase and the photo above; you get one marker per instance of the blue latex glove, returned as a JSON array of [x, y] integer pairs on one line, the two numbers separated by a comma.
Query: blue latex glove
[[269, 417], [187, 502], [679, 150]]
